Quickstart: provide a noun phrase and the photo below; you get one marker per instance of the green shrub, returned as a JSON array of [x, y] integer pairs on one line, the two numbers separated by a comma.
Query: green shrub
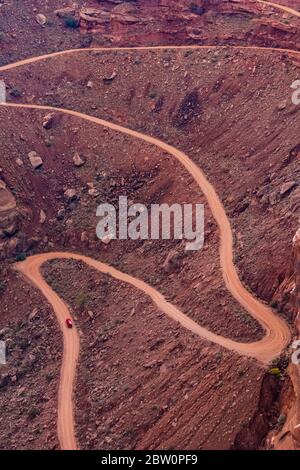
[[33, 412], [152, 95], [81, 300], [275, 371], [71, 22], [49, 376], [16, 93], [196, 9], [281, 421], [86, 41], [21, 257], [2, 287]]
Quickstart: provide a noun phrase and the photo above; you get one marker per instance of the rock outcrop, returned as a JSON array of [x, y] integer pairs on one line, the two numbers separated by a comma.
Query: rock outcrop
[[9, 221], [287, 296], [288, 438]]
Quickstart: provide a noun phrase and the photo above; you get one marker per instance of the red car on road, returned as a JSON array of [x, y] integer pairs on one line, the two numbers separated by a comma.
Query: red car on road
[[69, 323]]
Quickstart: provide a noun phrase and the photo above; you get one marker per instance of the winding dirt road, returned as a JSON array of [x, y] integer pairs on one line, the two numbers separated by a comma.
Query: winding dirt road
[[51, 55], [276, 338], [277, 334], [280, 7]]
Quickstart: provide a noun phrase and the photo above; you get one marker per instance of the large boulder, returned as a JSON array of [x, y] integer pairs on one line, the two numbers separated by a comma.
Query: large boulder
[[35, 160], [7, 199]]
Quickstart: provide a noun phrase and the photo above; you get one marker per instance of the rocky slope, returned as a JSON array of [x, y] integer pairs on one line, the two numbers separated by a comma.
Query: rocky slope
[[74, 177], [185, 22], [242, 129], [144, 382], [56, 221], [39, 27], [212, 117], [288, 296], [29, 380]]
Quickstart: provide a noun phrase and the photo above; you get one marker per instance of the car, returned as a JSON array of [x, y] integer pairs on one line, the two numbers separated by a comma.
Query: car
[[69, 323]]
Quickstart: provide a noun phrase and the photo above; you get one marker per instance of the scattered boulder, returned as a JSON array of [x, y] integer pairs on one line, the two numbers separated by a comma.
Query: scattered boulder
[[4, 380], [154, 363], [70, 195], [66, 12], [3, 332], [11, 229], [282, 105], [287, 187], [92, 190], [41, 19], [7, 199], [78, 161], [171, 263], [48, 121], [42, 216], [84, 237], [107, 239], [33, 314], [196, 9], [60, 214], [110, 78], [35, 160]]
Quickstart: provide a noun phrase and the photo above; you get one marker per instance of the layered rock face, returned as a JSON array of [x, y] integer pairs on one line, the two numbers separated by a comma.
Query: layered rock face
[[158, 22], [287, 296], [296, 259], [288, 437], [9, 220]]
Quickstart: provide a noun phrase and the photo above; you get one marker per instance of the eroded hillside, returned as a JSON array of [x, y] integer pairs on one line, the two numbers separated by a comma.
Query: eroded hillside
[[217, 88]]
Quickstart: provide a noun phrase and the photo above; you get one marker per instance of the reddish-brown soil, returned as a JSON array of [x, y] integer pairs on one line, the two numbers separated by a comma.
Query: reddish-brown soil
[[116, 165], [21, 35], [29, 380], [158, 22], [143, 381], [290, 3], [227, 105]]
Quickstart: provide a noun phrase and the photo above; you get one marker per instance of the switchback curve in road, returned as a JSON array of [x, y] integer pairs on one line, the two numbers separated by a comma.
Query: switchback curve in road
[[262, 350], [277, 334], [51, 55], [281, 7]]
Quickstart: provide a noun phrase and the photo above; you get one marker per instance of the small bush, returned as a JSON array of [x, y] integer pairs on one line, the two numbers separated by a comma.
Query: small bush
[[194, 8], [71, 22], [2, 287], [81, 300], [2, 36], [15, 92], [33, 412], [281, 421], [274, 304], [21, 257], [152, 95], [49, 376], [86, 41], [275, 371]]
